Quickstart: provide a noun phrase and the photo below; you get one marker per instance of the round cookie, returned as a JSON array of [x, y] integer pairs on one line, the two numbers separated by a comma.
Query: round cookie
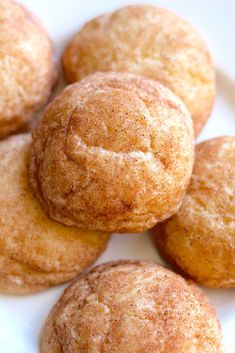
[[35, 252], [200, 238], [151, 42], [27, 67], [132, 306], [113, 153]]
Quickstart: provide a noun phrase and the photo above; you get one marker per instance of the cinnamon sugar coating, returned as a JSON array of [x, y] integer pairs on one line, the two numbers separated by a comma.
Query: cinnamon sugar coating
[[148, 41], [27, 67], [132, 306], [200, 238], [35, 251], [112, 153]]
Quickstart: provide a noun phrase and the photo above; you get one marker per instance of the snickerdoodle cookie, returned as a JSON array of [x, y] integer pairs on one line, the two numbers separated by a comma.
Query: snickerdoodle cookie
[[152, 42], [200, 238], [35, 252], [113, 153], [27, 66], [132, 306]]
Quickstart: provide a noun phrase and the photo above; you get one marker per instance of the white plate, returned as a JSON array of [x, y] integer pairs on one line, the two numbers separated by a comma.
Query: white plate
[[21, 318]]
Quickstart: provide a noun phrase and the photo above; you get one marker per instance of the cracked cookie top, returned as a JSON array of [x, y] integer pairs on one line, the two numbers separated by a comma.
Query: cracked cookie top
[[149, 41], [200, 238], [113, 152], [35, 251], [27, 67], [132, 306]]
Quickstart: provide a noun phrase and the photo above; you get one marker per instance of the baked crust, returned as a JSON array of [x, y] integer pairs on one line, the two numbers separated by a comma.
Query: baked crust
[[200, 238], [35, 252], [113, 153], [27, 67], [149, 41], [132, 306]]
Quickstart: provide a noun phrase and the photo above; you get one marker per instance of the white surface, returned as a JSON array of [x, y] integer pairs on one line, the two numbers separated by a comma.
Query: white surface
[[21, 318]]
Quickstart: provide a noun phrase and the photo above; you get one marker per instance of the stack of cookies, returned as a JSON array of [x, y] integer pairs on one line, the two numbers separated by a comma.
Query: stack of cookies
[[114, 152]]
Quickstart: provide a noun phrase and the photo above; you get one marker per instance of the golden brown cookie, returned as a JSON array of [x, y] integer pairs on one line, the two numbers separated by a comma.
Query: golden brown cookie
[[152, 42], [113, 153], [132, 306], [35, 252], [200, 238], [27, 67]]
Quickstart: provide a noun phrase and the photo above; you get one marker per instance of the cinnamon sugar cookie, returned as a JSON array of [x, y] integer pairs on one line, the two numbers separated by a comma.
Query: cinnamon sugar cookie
[[132, 306], [112, 153], [151, 42], [35, 252], [200, 238], [27, 67]]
